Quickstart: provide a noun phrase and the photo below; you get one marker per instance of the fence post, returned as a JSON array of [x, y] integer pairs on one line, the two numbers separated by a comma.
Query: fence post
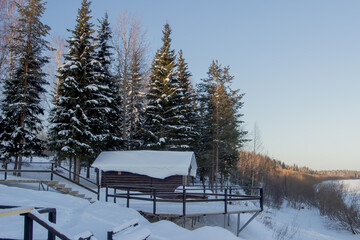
[[238, 225], [261, 199], [184, 207], [128, 197], [106, 197], [97, 176], [28, 227], [52, 218], [109, 235], [52, 172], [154, 201], [225, 201], [98, 195], [114, 195], [230, 194], [5, 175]]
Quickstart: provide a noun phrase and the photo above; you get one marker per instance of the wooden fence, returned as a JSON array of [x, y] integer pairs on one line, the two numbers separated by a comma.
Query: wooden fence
[[55, 171]]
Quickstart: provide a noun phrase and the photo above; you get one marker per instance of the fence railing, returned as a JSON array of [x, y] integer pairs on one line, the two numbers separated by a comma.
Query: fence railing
[[54, 171], [77, 183], [183, 195], [30, 216]]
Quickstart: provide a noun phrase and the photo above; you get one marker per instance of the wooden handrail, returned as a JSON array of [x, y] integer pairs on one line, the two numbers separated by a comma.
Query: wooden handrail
[[46, 225], [17, 170], [79, 184], [78, 175]]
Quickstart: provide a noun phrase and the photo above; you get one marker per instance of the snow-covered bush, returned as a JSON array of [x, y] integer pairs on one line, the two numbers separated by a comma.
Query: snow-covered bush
[[335, 202]]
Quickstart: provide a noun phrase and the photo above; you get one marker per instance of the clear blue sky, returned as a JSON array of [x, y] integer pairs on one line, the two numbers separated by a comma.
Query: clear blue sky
[[298, 62]]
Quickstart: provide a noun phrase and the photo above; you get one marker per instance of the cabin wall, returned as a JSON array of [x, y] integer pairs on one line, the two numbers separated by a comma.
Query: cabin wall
[[168, 184]]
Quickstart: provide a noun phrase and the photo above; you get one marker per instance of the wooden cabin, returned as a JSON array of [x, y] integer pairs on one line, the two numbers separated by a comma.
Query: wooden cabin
[[164, 170]]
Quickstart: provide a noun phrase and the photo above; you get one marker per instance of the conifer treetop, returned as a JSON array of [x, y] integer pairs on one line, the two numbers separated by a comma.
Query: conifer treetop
[[83, 27]]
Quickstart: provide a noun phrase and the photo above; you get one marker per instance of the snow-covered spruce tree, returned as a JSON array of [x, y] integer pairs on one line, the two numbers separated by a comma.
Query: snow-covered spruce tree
[[70, 131], [186, 133], [220, 109], [21, 105], [105, 112], [161, 114]]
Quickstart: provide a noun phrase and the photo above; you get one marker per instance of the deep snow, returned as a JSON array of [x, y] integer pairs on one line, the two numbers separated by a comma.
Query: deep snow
[[157, 164], [75, 215]]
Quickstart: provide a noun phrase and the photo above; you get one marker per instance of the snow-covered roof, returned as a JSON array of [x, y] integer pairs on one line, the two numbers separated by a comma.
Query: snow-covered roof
[[157, 164]]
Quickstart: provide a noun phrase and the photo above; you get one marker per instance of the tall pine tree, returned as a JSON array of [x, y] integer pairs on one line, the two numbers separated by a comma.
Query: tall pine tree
[[21, 106], [105, 113], [162, 119], [70, 131], [223, 136], [186, 132]]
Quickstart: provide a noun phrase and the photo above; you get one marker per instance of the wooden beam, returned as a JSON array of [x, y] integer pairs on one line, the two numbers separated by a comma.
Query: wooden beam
[[23, 181], [15, 211]]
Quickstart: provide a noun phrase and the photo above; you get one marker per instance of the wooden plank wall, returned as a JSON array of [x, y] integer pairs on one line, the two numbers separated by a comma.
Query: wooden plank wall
[[168, 184]]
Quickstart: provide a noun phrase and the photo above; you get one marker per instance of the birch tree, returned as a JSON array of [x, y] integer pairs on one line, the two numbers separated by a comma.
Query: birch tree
[[58, 44], [9, 21], [130, 69]]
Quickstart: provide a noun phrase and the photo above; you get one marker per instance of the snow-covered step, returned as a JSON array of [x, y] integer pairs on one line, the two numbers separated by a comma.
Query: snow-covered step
[[73, 193], [80, 195], [52, 183], [59, 186], [66, 190]]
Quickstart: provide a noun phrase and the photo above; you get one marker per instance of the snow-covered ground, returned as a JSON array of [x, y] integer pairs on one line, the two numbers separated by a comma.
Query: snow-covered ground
[[76, 215]]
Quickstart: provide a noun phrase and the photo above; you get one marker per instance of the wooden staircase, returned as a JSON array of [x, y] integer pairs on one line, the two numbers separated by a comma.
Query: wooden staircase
[[67, 190]]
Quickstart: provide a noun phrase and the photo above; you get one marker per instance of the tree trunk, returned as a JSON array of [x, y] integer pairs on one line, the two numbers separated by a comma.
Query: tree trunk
[[70, 166], [212, 171], [221, 181], [76, 169], [216, 167], [15, 164], [19, 164], [88, 170]]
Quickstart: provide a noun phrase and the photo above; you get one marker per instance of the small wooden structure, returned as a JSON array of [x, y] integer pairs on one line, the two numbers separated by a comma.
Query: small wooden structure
[[164, 170]]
